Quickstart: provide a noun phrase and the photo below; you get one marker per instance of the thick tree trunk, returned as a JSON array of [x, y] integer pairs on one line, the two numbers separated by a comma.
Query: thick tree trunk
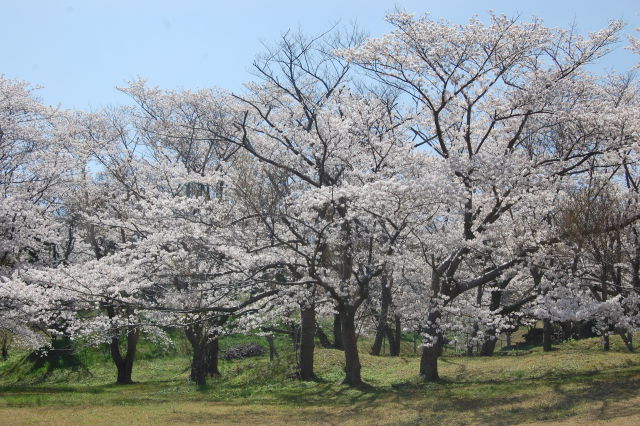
[[350, 342], [212, 351], [124, 365], [546, 335], [337, 332], [124, 373], [394, 350], [394, 339], [307, 342], [488, 346], [199, 365], [429, 361], [430, 354], [198, 342]]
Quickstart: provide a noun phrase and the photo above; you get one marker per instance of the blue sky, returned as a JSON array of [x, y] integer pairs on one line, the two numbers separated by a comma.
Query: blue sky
[[80, 50]]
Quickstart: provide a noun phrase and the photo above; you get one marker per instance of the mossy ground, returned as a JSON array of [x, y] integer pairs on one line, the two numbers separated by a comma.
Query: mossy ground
[[576, 383]]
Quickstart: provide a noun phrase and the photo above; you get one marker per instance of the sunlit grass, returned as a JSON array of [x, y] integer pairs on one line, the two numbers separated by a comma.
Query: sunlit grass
[[576, 382]]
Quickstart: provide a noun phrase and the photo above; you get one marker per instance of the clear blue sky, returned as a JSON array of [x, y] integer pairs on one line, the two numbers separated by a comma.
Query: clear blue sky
[[80, 50]]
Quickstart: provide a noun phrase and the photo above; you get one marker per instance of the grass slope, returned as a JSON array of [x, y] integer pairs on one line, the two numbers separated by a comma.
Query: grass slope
[[577, 383]]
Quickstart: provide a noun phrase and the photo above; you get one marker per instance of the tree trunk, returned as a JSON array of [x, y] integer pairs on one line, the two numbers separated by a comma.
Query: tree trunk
[[605, 342], [470, 342], [429, 360], [337, 332], [430, 354], [605, 338], [212, 351], [199, 365], [273, 353], [198, 342], [627, 338], [476, 326], [307, 342], [124, 373], [5, 346], [388, 331], [395, 349], [124, 365], [394, 336], [382, 327], [489, 345], [6, 338], [350, 342], [546, 335]]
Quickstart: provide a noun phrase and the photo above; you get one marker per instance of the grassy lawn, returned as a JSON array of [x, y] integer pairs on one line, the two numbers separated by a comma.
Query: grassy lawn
[[576, 383]]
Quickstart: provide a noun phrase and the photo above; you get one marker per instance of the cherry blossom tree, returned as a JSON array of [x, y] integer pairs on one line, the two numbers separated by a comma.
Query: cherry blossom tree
[[455, 180], [504, 93], [35, 169]]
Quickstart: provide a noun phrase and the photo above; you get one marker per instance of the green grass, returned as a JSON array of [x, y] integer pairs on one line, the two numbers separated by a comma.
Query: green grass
[[577, 382]]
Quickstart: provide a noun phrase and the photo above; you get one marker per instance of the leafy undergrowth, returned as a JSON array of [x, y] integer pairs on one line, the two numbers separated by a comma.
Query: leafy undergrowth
[[577, 382]]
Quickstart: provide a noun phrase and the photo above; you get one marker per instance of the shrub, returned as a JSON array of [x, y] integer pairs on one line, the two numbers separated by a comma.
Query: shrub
[[245, 350]]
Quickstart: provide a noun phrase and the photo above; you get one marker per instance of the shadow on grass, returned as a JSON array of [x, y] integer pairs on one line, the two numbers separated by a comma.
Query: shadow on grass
[[36, 368], [551, 395], [528, 400]]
